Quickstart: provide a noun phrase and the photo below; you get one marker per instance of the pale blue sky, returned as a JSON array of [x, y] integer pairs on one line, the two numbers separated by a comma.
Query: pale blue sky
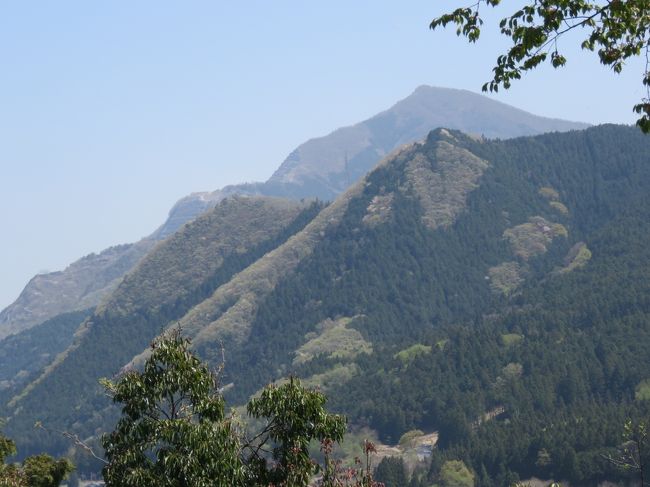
[[111, 111]]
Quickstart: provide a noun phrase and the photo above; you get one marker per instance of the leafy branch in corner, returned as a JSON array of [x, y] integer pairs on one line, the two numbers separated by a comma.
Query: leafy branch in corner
[[616, 29]]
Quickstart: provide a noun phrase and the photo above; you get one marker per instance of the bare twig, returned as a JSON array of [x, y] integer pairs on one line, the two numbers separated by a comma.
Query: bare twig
[[74, 438]]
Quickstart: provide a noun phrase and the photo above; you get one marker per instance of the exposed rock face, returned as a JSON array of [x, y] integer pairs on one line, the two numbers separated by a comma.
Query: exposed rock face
[[81, 285]]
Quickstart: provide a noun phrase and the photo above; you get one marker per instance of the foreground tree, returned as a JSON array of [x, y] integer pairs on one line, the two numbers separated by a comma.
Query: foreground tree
[[295, 416], [634, 455], [174, 430], [36, 471], [10, 475], [44, 471], [617, 30]]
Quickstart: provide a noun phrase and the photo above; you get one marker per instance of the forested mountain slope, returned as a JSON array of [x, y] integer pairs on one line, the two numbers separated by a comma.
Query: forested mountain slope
[[81, 285], [494, 291], [24, 355], [322, 168], [180, 272]]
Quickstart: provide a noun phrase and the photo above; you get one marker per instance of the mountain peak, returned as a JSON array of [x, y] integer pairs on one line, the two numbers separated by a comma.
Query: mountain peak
[[322, 167], [325, 166]]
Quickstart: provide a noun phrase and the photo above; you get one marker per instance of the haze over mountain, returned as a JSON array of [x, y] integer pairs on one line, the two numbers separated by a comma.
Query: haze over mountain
[[461, 279], [324, 167], [320, 168]]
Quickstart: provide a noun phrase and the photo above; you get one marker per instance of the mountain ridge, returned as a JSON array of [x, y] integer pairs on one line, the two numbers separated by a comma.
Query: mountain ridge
[[323, 167]]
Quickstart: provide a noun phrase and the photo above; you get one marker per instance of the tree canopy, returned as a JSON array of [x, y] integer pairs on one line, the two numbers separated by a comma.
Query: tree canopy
[[36, 471], [616, 30], [174, 430]]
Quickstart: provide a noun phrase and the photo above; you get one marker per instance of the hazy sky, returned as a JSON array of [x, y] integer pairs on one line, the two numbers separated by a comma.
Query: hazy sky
[[112, 111]]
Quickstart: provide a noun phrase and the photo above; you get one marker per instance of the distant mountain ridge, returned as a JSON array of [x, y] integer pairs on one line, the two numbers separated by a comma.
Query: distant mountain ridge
[[333, 162], [322, 167], [81, 285]]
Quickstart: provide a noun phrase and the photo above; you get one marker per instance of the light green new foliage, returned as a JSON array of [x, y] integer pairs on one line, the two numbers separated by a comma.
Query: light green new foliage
[[455, 473], [577, 257], [510, 339], [561, 207], [533, 238], [642, 391], [505, 277], [407, 355], [44, 471], [338, 374], [335, 339], [441, 344], [549, 193], [173, 430], [407, 438], [9, 474], [442, 186]]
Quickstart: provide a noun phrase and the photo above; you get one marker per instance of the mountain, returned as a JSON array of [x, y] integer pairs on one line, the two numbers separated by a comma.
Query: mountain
[[494, 291], [179, 272], [81, 285], [326, 166], [320, 168]]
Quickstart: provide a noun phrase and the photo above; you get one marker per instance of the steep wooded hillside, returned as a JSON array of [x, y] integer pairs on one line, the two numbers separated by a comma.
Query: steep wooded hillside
[[24, 355], [179, 273], [493, 291]]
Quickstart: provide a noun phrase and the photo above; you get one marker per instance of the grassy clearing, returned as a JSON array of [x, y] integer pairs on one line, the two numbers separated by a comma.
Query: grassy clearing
[[334, 339], [505, 277], [510, 339], [407, 355], [577, 257], [532, 238]]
